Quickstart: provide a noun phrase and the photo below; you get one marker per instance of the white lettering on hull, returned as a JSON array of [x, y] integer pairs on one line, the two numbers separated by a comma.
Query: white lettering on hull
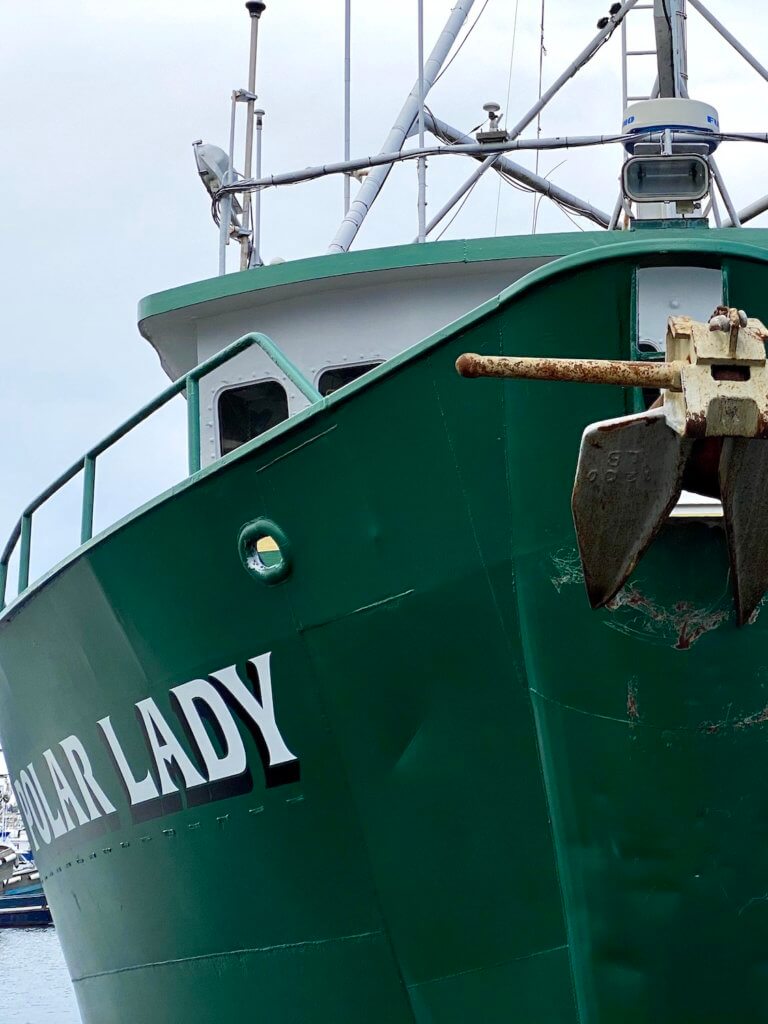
[[34, 807], [166, 749], [67, 798], [137, 791], [189, 697], [261, 714], [90, 790], [208, 712]]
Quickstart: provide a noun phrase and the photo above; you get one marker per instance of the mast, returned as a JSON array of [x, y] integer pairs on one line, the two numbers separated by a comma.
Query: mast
[[422, 165], [669, 19], [347, 99]]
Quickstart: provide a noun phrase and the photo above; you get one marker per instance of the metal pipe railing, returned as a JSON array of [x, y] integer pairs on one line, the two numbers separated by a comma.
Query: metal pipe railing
[[89, 498], [190, 385]]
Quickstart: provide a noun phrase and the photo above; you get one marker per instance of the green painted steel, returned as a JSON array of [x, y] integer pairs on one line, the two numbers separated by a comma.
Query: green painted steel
[[395, 257], [510, 808]]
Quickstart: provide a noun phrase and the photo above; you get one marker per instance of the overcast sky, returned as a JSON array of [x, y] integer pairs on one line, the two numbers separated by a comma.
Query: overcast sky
[[102, 203]]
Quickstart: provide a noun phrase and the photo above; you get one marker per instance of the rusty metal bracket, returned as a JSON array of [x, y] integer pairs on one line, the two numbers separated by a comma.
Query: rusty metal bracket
[[631, 470]]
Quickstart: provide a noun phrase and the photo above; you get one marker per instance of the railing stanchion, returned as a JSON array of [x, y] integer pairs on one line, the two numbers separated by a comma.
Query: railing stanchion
[[193, 423], [284, 364], [190, 384], [89, 490], [24, 553]]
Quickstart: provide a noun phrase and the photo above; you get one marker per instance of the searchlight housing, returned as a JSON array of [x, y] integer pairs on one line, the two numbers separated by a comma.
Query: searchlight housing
[[660, 170], [666, 179]]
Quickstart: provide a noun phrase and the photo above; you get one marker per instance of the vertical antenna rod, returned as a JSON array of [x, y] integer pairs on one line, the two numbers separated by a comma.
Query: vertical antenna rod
[[256, 260], [370, 189], [422, 162], [255, 8], [225, 216], [347, 100]]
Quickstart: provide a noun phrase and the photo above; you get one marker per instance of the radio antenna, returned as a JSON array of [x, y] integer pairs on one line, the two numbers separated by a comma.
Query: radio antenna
[[255, 9]]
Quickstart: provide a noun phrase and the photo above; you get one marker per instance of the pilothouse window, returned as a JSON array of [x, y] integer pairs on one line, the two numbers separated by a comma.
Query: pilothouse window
[[332, 380], [247, 411]]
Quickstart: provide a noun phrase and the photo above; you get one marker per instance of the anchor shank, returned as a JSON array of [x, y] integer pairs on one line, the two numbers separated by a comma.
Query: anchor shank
[[619, 372]]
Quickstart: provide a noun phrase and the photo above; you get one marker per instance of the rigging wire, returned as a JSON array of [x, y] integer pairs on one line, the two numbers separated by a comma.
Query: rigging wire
[[470, 30], [506, 107], [542, 52], [570, 218], [458, 210]]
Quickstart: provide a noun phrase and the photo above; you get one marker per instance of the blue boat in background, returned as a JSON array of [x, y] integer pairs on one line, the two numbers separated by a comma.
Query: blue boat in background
[[24, 907]]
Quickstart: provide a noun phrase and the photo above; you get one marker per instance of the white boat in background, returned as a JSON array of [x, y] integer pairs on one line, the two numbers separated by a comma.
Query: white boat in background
[[22, 899]]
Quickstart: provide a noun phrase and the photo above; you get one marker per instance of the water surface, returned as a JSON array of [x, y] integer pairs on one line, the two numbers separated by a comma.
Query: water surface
[[35, 985]]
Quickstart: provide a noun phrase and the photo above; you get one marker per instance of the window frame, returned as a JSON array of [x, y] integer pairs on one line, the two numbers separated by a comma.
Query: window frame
[[369, 364], [237, 386]]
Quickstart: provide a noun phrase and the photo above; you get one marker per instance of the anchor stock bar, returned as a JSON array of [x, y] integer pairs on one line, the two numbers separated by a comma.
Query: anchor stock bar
[[619, 372]]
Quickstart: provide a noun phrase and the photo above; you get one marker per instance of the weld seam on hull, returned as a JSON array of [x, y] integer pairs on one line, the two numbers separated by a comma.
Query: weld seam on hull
[[279, 948], [490, 967], [310, 440], [358, 611]]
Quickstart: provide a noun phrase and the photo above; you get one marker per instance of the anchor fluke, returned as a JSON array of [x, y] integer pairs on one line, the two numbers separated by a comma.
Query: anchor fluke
[[713, 406], [744, 493], [628, 480]]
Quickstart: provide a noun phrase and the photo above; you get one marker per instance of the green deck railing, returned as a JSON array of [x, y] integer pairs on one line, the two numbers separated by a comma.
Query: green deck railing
[[190, 385]]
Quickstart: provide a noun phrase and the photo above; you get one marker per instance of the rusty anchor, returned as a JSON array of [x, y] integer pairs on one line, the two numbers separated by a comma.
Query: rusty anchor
[[705, 433]]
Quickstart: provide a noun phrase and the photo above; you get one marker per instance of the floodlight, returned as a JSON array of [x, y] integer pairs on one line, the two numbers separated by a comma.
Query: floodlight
[[666, 179], [213, 166]]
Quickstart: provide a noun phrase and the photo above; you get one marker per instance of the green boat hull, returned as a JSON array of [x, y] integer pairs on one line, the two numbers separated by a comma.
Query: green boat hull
[[496, 805]]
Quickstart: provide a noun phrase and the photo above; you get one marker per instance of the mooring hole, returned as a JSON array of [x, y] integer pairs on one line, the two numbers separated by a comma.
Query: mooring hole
[[265, 551]]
